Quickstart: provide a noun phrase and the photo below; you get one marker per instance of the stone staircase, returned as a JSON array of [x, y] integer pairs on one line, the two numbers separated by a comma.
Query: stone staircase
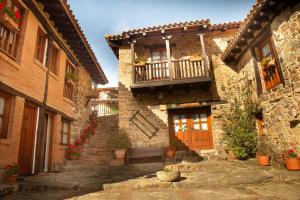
[[96, 150]]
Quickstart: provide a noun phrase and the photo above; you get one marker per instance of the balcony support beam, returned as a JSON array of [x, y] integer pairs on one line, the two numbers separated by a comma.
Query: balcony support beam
[[132, 42], [168, 50]]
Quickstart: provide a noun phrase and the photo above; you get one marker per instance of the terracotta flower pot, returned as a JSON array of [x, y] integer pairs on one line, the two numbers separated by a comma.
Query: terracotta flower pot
[[73, 157], [120, 153], [170, 152], [292, 164], [263, 160], [10, 179]]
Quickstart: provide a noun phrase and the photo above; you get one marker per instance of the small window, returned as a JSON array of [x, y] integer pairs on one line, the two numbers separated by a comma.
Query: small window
[[268, 64], [54, 60], [158, 55], [70, 78], [65, 132], [260, 124], [5, 104], [40, 52]]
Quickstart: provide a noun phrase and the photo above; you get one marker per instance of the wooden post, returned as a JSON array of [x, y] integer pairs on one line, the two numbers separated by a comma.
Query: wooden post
[[132, 42], [168, 50], [205, 63]]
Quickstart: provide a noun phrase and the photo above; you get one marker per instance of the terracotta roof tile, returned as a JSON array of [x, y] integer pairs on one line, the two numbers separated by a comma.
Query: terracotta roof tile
[[126, 34]]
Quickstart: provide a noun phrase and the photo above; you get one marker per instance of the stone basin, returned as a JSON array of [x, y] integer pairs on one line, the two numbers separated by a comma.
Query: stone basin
[[168, 176]]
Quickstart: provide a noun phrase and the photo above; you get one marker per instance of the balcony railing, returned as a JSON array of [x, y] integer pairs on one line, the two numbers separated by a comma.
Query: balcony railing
[[160, 71]]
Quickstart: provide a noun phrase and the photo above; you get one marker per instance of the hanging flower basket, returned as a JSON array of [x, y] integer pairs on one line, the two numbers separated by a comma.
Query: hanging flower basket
[[10, 16]]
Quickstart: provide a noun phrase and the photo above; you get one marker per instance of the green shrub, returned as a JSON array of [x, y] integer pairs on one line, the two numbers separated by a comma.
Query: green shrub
[[240, 134], [119, 141]]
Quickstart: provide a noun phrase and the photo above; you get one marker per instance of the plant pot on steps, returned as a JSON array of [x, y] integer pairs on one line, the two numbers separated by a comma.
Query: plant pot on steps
[[120, 153], [10, 179], [263, 160], [292, 164]]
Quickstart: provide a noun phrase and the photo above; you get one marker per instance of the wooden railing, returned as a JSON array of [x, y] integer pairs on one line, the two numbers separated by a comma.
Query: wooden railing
[[160, 71], [151, 72]]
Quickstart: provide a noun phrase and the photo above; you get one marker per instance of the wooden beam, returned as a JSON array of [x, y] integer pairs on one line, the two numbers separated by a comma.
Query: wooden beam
[[132, 60], [168, 50]]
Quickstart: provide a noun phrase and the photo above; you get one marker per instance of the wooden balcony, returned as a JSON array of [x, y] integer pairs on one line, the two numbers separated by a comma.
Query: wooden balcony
[[160, 74]]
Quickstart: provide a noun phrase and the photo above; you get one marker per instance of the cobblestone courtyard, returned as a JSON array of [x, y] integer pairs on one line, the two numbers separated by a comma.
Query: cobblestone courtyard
[[203, 180]]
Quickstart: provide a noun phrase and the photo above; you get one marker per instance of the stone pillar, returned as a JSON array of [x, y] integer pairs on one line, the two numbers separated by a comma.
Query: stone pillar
[[168, 50]]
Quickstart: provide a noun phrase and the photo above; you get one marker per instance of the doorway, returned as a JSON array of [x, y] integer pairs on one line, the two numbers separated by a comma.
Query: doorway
[[191, 128], [28, 130]]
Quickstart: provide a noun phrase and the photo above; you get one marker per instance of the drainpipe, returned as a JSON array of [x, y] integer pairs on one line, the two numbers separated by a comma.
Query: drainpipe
[[41, 120]]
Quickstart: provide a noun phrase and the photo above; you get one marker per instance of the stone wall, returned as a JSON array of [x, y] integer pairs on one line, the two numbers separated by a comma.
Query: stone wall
[[82, 108], [281, 104], [136, 107]]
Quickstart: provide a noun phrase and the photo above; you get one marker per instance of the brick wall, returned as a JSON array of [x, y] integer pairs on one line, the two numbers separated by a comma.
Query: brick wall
[[27, 75]]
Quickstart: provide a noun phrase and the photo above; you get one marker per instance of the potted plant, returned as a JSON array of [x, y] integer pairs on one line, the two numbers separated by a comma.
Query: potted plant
[[120, 143], [196, 57], [10, 173], [292, 162], [267, 62], [10, 15], [262, 156], [73, 152], [139, 61], [171, 149], [71, 78], [168, 175]]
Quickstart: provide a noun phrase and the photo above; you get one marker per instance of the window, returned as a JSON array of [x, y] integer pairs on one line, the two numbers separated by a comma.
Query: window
[[70, 77], [54, 58], [158, 55], [9, 41], [269, 67], [41, 42], [260, 124], [5, 103], [65, 131]]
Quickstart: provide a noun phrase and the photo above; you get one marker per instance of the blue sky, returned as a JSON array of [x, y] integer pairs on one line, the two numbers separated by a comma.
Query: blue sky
[[100, 17]]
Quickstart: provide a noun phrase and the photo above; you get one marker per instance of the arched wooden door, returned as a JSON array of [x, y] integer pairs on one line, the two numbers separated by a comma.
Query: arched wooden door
[[191, 128]]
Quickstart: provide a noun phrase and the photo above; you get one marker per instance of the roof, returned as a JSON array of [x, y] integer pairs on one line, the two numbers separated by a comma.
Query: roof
[[66, 23], [261, 12], [205, 24]]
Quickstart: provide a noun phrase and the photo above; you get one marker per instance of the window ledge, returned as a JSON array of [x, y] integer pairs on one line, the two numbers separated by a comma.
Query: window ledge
[[9, 60], [4, 141], [38, 63], [69, 101], [54, 76]]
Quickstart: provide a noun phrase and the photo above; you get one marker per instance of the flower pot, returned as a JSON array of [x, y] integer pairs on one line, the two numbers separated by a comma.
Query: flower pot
[[169, 176], [292, 164], [10, 179], [170, 152], [8, 22], [263, 160], [120, 153], [73, 158]]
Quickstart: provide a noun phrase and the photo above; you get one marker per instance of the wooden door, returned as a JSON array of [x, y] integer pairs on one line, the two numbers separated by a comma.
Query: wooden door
[[191, 128], [27, 139]]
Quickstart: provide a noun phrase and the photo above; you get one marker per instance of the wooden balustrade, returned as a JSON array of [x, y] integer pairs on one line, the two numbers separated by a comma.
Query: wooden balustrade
[[158, 71]]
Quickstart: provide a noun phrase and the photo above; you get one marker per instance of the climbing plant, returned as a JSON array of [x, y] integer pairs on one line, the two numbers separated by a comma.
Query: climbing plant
[[238, 121]]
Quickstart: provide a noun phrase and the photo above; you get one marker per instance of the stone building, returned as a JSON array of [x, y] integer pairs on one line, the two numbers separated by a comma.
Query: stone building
[[173, 79], [46, 72]]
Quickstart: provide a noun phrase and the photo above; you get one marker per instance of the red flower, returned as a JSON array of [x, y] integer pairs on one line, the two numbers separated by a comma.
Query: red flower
[[2, 5], [18, 14], [291, 151]]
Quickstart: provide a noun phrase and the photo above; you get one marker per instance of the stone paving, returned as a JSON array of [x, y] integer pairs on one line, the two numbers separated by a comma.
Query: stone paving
[[203, 180]]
